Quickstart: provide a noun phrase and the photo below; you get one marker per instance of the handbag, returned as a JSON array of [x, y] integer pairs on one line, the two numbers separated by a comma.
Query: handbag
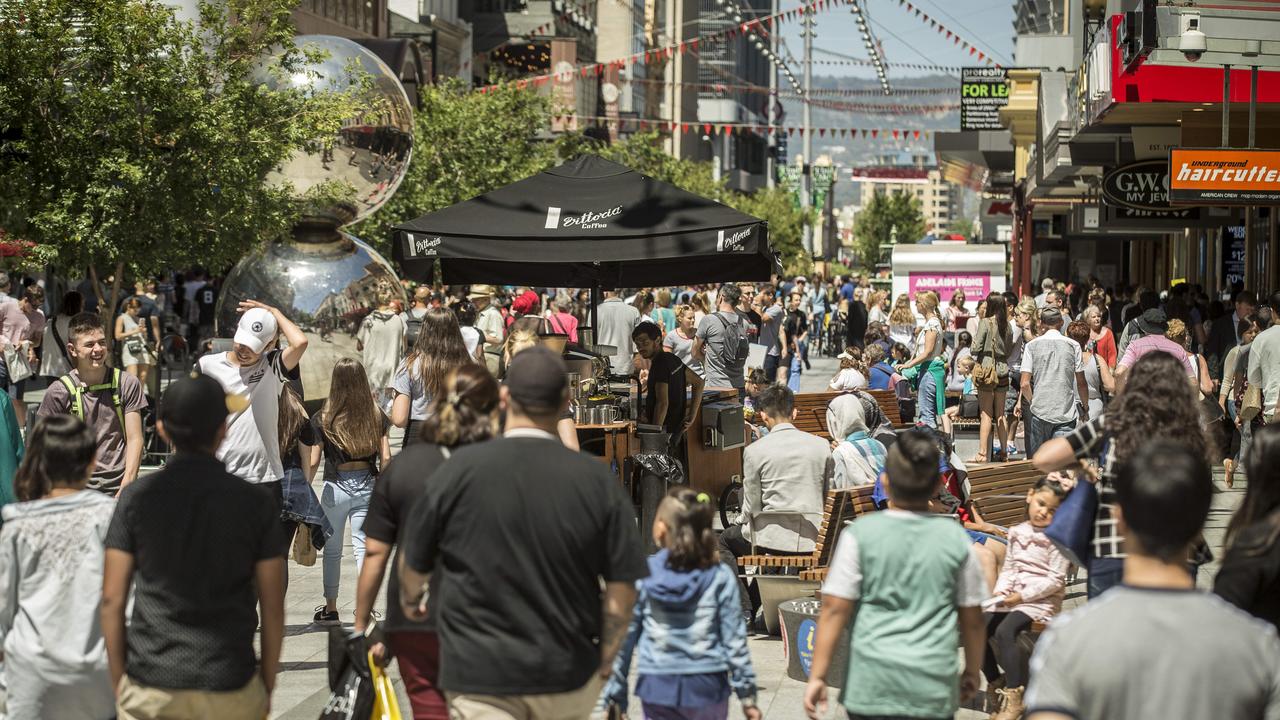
[[16, 360], [1251, 405], [969, 406], [385, 705], [985, 376], [1071, 529], [351, 684], [304, 552]]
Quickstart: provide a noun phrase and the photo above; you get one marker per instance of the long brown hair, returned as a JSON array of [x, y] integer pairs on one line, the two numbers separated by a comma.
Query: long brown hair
[[60, 451], [350, 419], [690, 537], [291, 418], [901, 313], [1157, 403], [466, 412], [438, 350]]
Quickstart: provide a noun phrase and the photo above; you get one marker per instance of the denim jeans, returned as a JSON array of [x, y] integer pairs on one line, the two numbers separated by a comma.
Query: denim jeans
[[1039, 432], [343, 499], [793, 377], [928, 399]]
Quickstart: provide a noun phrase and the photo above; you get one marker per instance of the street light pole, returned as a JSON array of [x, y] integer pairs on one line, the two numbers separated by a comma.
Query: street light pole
[[806, 179]]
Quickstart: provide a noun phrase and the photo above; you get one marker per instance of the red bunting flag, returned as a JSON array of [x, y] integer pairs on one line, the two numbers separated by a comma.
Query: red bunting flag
[[972, 50], [874, 133], [916, 134]]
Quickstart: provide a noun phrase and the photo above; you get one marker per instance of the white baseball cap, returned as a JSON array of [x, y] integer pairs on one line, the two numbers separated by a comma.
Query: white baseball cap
[[257, 328]]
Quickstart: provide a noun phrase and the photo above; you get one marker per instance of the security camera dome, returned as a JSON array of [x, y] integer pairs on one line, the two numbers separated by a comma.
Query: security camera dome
[[1193, 44]]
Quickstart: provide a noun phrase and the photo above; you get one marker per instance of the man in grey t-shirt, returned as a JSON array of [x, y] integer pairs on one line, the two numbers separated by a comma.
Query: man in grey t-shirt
[[617, 319], [716, 343], [1155, 648], [771, 312]]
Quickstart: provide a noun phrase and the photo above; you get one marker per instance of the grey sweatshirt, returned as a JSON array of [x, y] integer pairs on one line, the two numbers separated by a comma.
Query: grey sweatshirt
[[51, 555]]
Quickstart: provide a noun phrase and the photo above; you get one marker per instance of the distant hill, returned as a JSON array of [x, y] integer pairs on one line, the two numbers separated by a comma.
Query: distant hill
[[848, 151]]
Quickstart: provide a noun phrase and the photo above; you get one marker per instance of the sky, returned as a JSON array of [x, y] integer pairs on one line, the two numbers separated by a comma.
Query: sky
[[988, 24]]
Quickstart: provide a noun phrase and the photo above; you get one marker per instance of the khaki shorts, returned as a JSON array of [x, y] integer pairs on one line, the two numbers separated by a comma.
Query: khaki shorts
[[572, 705], [139, 702]]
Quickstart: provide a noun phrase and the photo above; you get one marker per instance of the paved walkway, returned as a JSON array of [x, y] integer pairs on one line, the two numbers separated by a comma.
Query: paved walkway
[[302, 689]]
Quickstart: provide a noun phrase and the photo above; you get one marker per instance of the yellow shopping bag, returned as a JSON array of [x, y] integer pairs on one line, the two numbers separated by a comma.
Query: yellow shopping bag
[[385, 706]]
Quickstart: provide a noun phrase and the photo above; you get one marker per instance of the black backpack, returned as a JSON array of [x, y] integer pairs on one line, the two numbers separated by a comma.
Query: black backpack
[[736, 339], [412, 326]]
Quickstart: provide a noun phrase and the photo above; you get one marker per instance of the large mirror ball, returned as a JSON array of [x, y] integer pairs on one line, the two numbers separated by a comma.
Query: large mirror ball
[[326, 280]]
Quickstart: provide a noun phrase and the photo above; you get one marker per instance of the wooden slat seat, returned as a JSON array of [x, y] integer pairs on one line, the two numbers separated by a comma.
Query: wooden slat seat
[[840, 508], [888, 402], [998, 490]]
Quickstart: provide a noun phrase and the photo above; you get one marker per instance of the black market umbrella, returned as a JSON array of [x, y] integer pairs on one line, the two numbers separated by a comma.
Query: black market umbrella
[[587, 223]]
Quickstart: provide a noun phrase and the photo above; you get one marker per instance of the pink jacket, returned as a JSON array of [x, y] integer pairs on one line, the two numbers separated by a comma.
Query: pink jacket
[[1034, 568]]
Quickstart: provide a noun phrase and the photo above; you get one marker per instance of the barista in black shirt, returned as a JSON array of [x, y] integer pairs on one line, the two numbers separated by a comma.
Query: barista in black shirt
[[669, 382]]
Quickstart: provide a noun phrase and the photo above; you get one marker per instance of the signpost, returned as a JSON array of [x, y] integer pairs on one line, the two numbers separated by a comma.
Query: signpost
[[982, 93], [1224, 176]]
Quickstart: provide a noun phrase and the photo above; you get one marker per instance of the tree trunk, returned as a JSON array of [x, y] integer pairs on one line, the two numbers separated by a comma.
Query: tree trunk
[[106, 306]]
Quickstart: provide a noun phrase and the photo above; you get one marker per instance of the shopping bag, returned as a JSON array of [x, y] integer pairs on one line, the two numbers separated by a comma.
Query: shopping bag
[[385, 705], [16, 360], [1071, 529], [351, 688], [304, 552]]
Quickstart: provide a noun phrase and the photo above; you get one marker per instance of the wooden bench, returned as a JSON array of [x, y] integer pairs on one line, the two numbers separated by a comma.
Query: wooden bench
[[888, 402], [961, 423], [999, 490]]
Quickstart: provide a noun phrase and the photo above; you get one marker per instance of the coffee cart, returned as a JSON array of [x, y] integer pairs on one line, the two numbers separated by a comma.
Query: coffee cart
[[592, 223]]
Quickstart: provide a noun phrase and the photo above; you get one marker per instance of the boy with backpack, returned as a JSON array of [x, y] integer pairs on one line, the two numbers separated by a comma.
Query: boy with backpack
[[109, 401], [909, 577]]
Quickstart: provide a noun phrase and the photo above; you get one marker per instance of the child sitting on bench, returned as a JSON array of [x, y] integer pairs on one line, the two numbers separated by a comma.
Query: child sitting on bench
[[1030, 589]]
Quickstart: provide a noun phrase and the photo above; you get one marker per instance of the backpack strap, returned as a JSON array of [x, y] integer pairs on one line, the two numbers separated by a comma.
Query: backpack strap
[[75, 395]]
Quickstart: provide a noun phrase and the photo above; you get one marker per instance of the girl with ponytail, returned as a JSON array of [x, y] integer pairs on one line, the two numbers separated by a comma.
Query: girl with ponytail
[[688, 630], [51, 558], [464, 410]]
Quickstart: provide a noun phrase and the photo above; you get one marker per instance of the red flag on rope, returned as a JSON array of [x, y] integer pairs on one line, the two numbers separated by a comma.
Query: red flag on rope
[[916, 133], [874, 133]]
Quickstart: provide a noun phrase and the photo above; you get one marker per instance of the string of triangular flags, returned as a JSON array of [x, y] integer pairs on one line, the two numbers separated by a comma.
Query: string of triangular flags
[[816, 92], [717, 128], [756, 25], [953, 36], [907, 66], [883, 109]]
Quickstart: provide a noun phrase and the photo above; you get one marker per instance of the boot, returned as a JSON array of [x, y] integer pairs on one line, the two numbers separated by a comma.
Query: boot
[[1011, 706], [992, 696]]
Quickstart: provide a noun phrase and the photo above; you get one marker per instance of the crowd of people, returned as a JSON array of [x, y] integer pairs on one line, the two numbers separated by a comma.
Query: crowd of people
[[517, 585]]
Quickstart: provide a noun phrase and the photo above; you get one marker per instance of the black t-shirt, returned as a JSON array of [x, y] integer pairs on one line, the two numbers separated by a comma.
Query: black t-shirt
[[796, 324], [395, 493], [520, 530], [206, 303], [196, 533], [292, 460], [753, 323], [334, 455], [667, 368]]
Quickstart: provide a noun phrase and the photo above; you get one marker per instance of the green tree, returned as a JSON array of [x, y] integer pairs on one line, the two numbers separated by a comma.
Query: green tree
[[130, 138], [876, 223]]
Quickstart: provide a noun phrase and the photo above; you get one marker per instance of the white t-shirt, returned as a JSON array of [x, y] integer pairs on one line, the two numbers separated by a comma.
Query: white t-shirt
[[251, 449], [848, 379], [471, 338]]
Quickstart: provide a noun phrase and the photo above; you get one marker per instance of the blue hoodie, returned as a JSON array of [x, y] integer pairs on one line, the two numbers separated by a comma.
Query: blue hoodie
[[686, 623]]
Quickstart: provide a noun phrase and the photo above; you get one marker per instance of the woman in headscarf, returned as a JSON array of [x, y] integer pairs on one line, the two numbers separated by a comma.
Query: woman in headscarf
[[859, 458]]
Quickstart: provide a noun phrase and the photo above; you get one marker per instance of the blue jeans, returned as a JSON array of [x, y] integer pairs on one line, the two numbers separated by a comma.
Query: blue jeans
[[1039, 432], [793, 377], [927, 407], [343, 499]]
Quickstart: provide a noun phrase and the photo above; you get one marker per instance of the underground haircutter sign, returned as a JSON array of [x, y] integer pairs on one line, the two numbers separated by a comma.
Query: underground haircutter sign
[[1224, 177]]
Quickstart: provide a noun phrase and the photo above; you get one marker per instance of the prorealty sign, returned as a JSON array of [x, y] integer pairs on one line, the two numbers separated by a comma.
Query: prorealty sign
[[982, 93], [1141, 186], [1224, 176]]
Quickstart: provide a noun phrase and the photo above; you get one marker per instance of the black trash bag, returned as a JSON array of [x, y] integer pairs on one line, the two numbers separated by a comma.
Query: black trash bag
[[350, 682]]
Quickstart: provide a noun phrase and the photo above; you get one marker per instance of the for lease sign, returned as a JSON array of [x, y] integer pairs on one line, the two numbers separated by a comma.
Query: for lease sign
[[1224, 176]]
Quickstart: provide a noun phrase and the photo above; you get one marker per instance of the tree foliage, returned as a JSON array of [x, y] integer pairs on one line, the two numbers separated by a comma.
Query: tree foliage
[[132, 138], [875, 223]]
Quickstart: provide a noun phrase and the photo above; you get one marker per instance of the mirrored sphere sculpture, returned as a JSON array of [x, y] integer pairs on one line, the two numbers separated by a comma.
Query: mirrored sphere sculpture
[[371, 152], [323, 279], [327, 288]]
